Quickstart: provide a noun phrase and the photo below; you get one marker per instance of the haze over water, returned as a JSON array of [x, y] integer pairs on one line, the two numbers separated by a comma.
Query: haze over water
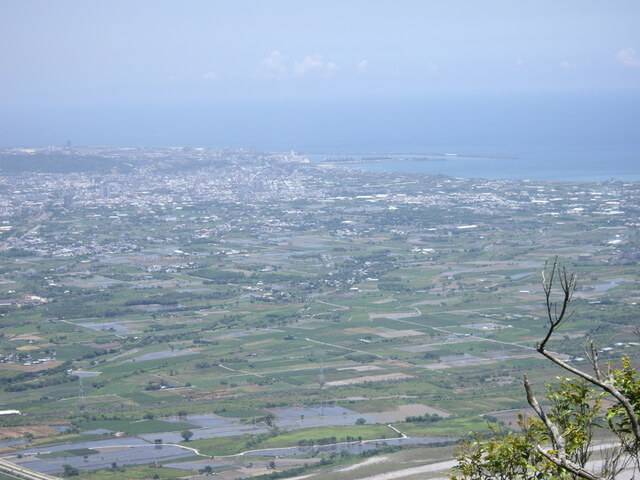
[[554, 136], [556, 84]]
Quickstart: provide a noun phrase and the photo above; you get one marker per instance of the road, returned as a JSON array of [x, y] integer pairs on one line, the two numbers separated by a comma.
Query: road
[[28, 229], [346, 348], [23, 472], [406, 472], [241, 372], [341, 307], [450, 332], [335, 445]]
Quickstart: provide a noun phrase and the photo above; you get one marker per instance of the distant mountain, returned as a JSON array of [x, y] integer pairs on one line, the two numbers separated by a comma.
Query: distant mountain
[[59, 163]]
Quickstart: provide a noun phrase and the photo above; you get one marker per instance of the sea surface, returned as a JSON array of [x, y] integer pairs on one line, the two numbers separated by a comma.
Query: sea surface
[[574, 136]]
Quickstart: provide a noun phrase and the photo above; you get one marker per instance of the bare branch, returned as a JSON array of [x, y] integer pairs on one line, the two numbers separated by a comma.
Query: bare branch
[[557, 438], [594, 357], [614, 461], [567, 285], [568, 465], [558, 441], [607, 386]]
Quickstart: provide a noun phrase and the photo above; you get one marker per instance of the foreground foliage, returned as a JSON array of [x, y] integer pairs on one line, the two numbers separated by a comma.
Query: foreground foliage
[[558, 443]]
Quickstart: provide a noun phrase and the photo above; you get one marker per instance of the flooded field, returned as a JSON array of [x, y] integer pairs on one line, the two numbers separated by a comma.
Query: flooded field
[[162, 354], [11, 443], [93, 282], [144, 448], [106, 327], [518, 276], [419, 348], [614, 282], [210, 432], [199, 465], [351, 447], [204, 421], [159, 308], [82, 374], [393, 316], [482, 326], [122, 451]]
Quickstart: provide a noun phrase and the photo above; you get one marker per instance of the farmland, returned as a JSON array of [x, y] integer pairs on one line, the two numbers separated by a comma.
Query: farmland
[[276, 308]]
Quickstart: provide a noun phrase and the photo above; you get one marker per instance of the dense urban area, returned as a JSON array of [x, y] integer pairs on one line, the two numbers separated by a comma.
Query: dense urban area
[[188, 312]]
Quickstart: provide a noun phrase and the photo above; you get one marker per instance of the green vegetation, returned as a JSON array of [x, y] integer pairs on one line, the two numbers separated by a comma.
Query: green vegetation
[[67, 453], [133, 427], [277, 305], [559, 443], [69, 471], [135, 473]]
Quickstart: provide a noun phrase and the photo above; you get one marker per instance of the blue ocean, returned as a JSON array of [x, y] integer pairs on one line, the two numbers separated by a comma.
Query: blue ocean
[[575, 136]]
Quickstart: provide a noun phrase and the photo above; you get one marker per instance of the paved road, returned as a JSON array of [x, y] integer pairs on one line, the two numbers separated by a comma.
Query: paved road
[[345, 348], [26, 230], [23, 472], [450, 332]]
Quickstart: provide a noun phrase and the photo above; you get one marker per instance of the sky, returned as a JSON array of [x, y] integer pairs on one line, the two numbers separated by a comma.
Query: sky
[[172, 52], [79, 56]]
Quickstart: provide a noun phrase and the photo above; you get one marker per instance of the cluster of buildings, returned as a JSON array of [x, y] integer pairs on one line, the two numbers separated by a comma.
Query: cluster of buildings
[[209, 193]]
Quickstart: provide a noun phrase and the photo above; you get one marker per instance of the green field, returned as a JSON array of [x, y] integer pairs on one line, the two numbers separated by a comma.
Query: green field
[[387, 295]]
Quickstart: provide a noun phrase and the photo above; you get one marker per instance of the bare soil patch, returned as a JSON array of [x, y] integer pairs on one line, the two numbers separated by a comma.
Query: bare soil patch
[[27, 336], [19, 431], [361, 330], [398, 333], [31, 368], [360, 368], [370, 378], [26, 348], [383, 301], [393, 316]]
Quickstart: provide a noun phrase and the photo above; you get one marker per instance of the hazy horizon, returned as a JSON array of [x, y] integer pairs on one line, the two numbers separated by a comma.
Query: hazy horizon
[[554, 84]]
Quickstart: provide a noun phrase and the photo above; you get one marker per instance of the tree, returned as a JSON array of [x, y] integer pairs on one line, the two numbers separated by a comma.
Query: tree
[[269, 418], [69, 471], [557, 443], [361, 421], [186, 435]]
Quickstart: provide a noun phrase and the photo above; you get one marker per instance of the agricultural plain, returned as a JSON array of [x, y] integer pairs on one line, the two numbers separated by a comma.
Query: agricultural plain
[[169, 313]]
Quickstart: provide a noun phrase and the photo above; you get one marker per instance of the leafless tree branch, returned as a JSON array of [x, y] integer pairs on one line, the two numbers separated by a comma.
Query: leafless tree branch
[[594, 357], [567, 286], [568, 465], [557, 439]]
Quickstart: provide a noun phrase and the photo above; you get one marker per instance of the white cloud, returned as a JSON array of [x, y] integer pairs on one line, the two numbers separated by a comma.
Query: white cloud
[[330, 69], [627, 57], [308, 64], [362, 66], [278, 65], [433, 67], [567, 64], [275, 65], [314, 63], [210, 76], [519, 63]]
